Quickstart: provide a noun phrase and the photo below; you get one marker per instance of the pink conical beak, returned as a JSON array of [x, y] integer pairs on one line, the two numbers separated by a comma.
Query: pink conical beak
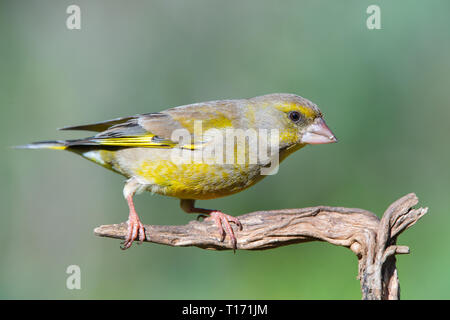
[[318, 133]]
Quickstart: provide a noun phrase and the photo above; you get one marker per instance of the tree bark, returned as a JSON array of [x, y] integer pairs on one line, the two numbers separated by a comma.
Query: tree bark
[[374, 241]]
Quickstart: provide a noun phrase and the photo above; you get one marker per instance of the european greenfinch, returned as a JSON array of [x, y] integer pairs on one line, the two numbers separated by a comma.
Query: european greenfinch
[[164, 152]]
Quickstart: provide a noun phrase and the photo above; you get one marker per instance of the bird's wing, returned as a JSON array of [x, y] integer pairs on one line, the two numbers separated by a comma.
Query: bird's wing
[[98, 126], [156, 130], [122, 132]]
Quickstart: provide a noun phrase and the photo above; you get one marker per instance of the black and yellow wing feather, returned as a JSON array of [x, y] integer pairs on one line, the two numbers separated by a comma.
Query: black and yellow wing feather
[[150, 130]]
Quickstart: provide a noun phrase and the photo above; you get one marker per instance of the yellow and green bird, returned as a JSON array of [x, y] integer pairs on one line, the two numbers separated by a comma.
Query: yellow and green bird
[[144, 149]]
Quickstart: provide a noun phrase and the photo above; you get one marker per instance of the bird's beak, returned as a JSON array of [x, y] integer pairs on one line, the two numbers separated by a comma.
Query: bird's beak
[[318, 133]]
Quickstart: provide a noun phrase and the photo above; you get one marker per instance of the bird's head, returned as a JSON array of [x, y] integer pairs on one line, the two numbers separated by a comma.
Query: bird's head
[[299, 120]]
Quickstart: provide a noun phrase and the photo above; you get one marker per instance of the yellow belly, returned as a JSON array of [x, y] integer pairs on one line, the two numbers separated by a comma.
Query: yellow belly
[[196, 180], [155, 170]]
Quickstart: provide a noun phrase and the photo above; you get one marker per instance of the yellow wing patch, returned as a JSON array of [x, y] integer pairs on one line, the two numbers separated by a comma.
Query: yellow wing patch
[[145, 141], [208, 120]]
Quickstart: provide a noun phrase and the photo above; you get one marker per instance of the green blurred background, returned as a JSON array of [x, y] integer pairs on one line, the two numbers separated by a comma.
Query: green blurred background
[[385, 93]]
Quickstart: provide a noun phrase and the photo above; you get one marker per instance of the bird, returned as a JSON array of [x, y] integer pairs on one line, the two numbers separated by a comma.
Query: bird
[[177, 152]]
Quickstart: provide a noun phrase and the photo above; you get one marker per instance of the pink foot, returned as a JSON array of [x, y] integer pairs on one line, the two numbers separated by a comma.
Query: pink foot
[[135, 227], [223, 220]]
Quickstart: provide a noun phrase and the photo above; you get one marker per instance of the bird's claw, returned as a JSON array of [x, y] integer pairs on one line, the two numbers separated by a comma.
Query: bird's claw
[[222, 222], [135, 229]]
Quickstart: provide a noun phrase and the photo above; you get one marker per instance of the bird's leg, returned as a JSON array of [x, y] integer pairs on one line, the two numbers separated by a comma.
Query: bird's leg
[[221, 219], [135, 226]]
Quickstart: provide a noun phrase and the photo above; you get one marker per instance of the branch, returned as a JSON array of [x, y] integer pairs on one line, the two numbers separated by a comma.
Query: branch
[[371, 239]]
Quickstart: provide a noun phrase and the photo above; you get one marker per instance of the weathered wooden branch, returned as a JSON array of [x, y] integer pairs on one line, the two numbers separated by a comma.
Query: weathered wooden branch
[[371, 239]]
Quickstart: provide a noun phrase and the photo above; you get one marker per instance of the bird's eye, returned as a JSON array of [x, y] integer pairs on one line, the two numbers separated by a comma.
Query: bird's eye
[[295, 116]]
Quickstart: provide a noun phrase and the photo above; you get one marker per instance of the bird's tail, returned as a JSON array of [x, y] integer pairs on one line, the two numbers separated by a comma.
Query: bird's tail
[[55, 145]]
